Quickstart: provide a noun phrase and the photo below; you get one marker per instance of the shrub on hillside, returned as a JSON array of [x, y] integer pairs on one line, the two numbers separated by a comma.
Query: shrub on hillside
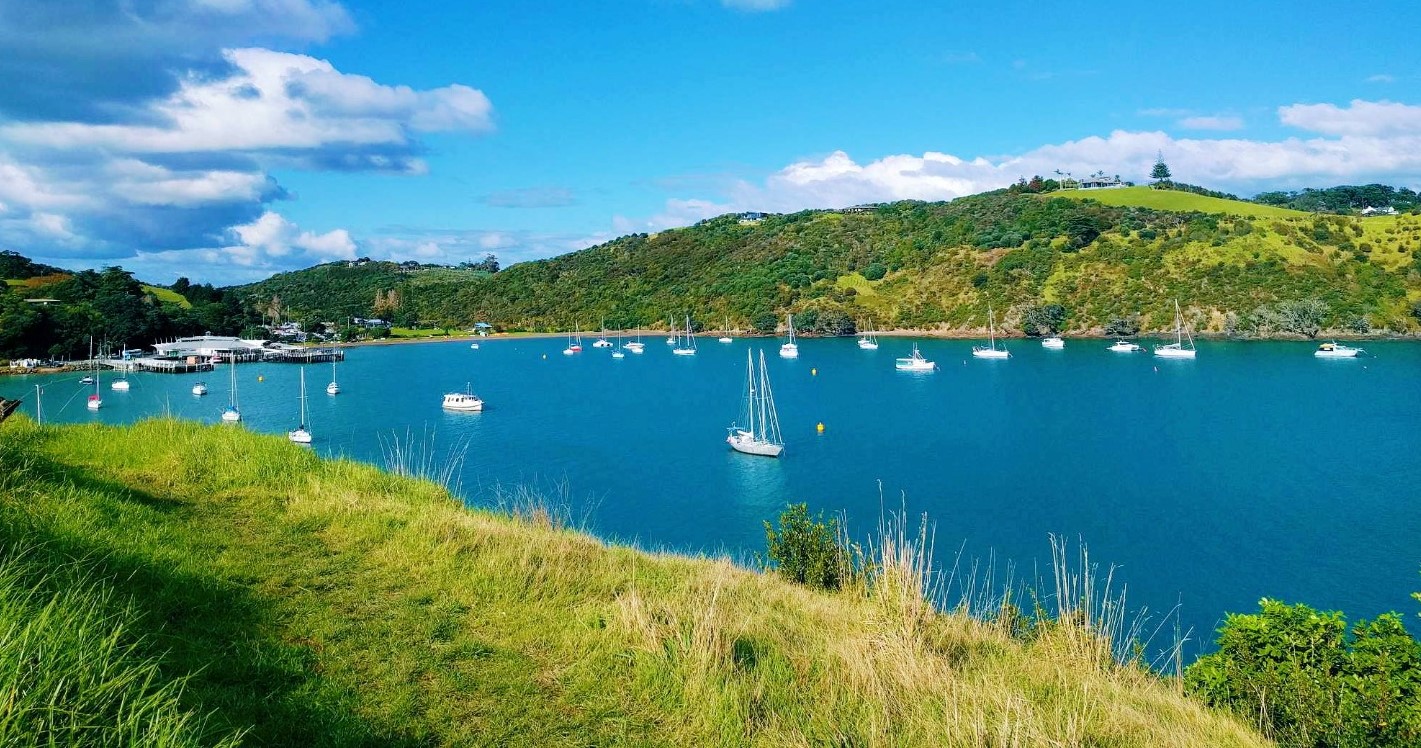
[[808, 550], [875, 271], [1046, 319], [1295, 673], [1123, 326]]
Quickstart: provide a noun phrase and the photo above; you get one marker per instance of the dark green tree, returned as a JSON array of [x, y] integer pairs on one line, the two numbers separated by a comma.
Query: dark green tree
[[807, 550], [1160, 172]]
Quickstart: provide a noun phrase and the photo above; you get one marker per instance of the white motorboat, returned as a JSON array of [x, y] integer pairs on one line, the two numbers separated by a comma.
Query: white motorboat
[[635, 346], [231, 414], [1053, 343], [301, 434], [687, 348], [990, 350], [119, 385], [1177, 349], [1335, 349], [199, 388], [790, 349], [761, 436], [465, 401], [1125, 346], [914, 362], [602, 341], [474, 346]]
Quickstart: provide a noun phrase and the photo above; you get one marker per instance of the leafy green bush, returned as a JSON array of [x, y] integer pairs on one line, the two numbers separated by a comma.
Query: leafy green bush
[[808, 550], [1294, 672], [1044, 319], [875, 271]]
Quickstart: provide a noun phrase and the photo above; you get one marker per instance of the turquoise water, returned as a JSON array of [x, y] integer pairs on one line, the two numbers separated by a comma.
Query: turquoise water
[[1255, 470]]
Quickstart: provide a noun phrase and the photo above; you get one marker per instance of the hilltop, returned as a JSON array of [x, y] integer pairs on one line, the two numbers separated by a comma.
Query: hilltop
[[1177, 201], [178, 584]]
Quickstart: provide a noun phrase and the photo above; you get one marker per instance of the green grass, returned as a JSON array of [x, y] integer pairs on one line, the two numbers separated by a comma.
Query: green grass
[[168, 295], [13, 282], [1147, 197], [251, 589], [423, 332]]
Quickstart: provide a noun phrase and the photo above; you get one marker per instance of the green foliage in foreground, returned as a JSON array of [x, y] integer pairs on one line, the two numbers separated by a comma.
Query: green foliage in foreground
[[254, 590], [1295, 672], [807, 550]]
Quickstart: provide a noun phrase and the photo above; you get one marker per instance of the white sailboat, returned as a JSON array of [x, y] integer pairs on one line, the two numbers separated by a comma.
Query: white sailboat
[[602, 342], [574, 342], [991, 350], [466, 401], [95, 402], [333, 388], [671, 326], [761, 436], [635, 346], [617, 352], [868, 341], [915, 362], [687, 348], [1177, 349], [1335, 349], [725, 334], [301, 435], [120, 384], [790, 349], [231, 414]]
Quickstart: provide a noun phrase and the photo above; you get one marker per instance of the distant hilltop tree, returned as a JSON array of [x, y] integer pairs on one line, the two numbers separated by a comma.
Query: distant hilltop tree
[[1161, 171]]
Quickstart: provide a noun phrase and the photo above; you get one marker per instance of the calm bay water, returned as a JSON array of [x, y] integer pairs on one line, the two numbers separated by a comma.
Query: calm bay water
[[1253, 471]]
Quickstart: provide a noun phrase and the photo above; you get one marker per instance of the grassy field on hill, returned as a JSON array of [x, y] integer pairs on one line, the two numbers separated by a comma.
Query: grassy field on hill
[[176, 584], [1179, 202]]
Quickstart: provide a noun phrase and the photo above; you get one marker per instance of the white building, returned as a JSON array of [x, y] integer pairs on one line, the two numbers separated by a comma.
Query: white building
[[208, 345]]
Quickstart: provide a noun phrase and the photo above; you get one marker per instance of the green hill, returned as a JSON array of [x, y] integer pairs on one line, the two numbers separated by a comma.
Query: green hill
[[365, 288], [175, 584], [1236, 267], [1179, 202]]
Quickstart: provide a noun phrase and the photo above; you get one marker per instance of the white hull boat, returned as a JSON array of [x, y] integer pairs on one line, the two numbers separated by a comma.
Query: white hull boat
[[1336, 350], [1125, 346], [1177, 348], [689, 347], [790, 349], [762, 434], [990, 350], [333, 388], [199, 389], [1053, 343], [466, 401], [915, 362], [231, 414], [120, 385], [301, 435]]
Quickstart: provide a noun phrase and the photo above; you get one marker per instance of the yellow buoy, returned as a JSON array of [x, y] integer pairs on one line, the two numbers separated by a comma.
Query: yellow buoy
[[820, 428], [261, 378], [813, 372]]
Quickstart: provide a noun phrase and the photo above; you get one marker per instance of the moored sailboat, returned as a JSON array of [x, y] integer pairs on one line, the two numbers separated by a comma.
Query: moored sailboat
[[688, 348], [990, 350], [1177, 349], [761, 434], [231, 414], [301, 434], [790, 349]]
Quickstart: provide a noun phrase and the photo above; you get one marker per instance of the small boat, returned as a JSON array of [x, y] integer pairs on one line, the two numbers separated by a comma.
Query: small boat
[[990, 350], [1125, 346], [474, 346], [94, 402], [790, 349], [466, 401], [574, 343], [1177, 349], [199, 388], [1335, 349], [602, 342], [671, 325], [231, 414], [301, 435], [1053, 343], [333, 388], [86, 380], [689, 347], [868, 341], [725, 334], [120, 384], [914, 362], [761, 436], [618, 352], [635, 346]]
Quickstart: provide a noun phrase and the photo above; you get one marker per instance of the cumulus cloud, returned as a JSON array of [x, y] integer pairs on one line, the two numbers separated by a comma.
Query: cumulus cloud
[[1366, 141], [181, 159], [1360, 118]]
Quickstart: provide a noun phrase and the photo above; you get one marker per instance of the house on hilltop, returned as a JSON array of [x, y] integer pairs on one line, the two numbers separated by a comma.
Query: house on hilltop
[[1101, 182]]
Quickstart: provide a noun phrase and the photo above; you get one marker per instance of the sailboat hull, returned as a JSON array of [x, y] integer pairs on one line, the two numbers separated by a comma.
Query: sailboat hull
[[748, 444], [989, 353], [1166, 351]]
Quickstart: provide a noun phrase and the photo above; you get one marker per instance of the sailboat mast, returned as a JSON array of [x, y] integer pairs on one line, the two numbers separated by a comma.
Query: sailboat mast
[[750, 397]]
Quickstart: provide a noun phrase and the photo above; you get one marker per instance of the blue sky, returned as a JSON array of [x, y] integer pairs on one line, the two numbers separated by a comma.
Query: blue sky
[[224, 140]]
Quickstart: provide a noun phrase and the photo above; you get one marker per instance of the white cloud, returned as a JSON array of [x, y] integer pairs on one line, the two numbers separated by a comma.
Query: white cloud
[[276, 101], [1360, 118], [1214, 122], [755, 6], [1381, 78], [272, 235], [1367, 141]]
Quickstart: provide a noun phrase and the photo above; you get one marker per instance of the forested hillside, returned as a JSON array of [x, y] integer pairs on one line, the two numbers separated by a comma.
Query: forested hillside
[[1072, 261]]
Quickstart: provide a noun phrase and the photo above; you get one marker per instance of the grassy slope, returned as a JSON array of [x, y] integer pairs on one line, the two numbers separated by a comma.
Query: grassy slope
[[326, 603], [1180, 202]]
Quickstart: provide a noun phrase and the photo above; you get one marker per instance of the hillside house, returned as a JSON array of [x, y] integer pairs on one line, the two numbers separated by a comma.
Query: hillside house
[[1101, 182]]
